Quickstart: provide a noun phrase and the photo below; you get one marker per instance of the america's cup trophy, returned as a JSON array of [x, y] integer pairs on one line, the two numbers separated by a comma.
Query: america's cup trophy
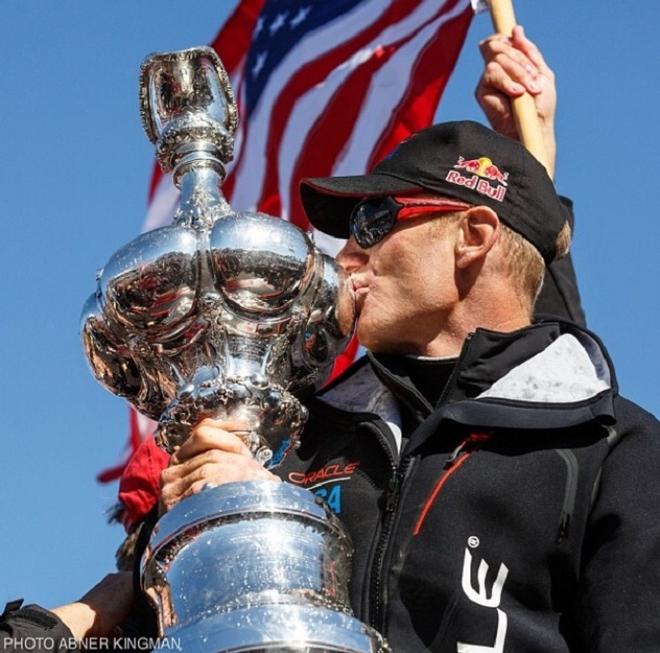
[[225, 314]]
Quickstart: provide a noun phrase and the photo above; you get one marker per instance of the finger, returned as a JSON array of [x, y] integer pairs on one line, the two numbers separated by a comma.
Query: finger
[[494, 46], [173, 492], [182, 469], [496, 78], [236, 468], [524, 45], [225, 425], [205, 437], [497, 107], [526, 75], [516, 64], [213, 466]]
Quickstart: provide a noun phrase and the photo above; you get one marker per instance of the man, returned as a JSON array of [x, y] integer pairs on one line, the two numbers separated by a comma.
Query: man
[[499, 493], [486, 468]]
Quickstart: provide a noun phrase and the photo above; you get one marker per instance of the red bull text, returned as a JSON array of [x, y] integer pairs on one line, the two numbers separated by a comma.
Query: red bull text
[[482, 169]]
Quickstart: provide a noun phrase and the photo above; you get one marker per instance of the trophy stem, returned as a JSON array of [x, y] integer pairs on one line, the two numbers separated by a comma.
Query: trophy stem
[[202, 203]]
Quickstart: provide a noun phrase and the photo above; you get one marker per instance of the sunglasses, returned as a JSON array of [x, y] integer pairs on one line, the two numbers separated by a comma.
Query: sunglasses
[[371, 220]]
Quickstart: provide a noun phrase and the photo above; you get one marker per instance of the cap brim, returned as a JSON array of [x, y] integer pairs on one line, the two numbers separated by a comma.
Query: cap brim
[[329, 201]]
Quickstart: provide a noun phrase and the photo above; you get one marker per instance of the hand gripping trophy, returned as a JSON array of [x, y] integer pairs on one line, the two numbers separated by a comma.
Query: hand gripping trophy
[[225, 314]]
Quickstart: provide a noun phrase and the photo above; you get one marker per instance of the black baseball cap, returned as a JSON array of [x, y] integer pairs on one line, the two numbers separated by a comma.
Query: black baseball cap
[[462, 160]]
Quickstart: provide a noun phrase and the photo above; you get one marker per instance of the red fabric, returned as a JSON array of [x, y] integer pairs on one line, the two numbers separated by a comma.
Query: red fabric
[[140, 482], [431, 73], [134, 439], [345, 359]]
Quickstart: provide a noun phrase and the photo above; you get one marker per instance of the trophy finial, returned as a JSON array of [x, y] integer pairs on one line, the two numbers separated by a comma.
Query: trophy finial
[[187, 107]]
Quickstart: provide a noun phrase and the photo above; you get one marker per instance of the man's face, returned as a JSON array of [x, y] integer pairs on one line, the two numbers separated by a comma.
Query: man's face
[[404, 285]]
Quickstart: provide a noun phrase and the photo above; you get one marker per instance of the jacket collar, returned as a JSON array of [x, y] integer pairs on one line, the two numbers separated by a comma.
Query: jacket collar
[[545, 376]]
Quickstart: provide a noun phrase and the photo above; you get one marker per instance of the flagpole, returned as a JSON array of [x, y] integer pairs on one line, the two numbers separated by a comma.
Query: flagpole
[[524, 108]]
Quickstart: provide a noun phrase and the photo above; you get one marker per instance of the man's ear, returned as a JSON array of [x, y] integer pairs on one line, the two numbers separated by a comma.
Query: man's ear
[[478, 231]]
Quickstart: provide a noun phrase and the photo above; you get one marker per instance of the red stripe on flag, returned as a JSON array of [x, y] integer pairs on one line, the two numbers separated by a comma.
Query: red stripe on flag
[[134, 438], [428, 80], [320, 152], [156, 176], [235, 36]]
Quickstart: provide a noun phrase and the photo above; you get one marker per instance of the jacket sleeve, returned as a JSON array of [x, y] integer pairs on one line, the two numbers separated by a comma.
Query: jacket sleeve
[[618, 603], [35, 629], [559, 296]]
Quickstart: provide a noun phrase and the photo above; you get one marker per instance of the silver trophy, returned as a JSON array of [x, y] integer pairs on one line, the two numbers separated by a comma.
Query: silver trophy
[[227, 315]]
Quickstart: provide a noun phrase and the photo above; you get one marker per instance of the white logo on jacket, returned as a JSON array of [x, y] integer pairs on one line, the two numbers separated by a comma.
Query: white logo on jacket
[[483, 598]]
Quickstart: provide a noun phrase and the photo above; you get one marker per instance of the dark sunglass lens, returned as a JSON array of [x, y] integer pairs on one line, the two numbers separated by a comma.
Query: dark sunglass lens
[[370, 223]]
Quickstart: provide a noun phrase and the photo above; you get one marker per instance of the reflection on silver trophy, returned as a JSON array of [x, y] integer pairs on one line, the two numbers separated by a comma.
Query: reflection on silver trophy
[[227, 314]]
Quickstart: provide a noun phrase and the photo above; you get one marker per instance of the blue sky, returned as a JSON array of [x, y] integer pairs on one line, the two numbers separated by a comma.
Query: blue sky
[[75, 167]]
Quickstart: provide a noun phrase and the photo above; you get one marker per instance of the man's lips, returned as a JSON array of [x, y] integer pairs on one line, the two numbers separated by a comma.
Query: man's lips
[[360, 291], [359, 286]]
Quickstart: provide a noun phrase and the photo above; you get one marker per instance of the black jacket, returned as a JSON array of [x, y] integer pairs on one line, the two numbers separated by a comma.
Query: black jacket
[[521, 515]]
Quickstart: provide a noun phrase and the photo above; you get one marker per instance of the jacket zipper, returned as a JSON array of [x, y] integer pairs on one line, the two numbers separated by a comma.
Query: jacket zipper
[[456, 459], [379, 535], [377, 589], [570, 492]]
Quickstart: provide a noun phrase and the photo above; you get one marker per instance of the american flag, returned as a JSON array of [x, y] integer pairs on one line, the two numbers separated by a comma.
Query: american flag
[[324, 87]]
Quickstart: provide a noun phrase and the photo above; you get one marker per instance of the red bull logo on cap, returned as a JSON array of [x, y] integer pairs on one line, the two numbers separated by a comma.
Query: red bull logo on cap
[[481, 169]]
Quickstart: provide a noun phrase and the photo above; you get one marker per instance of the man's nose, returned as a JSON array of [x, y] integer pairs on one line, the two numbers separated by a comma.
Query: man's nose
[[351, 256]]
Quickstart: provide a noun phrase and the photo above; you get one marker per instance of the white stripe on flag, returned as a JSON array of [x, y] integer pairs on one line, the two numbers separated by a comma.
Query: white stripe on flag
[[326, 243], [146, 426]]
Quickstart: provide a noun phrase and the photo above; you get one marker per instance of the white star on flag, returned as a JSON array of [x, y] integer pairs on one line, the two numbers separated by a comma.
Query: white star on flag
[[303, 12], [261, 60], [259, 26], [278, 22]]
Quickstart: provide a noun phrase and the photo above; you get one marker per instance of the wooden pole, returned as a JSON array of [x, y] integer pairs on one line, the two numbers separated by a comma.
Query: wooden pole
[[524, 109]]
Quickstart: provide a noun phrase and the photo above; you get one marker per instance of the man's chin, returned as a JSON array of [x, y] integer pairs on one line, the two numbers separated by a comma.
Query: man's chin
[[381, 338], [371, 336], [364, 330]]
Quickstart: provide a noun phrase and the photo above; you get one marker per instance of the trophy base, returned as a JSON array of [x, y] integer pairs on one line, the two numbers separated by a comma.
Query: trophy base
[[281, 628], [254, 566]]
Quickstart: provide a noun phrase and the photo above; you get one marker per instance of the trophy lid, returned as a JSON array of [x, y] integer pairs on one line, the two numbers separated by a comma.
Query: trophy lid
[[187, 104]]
